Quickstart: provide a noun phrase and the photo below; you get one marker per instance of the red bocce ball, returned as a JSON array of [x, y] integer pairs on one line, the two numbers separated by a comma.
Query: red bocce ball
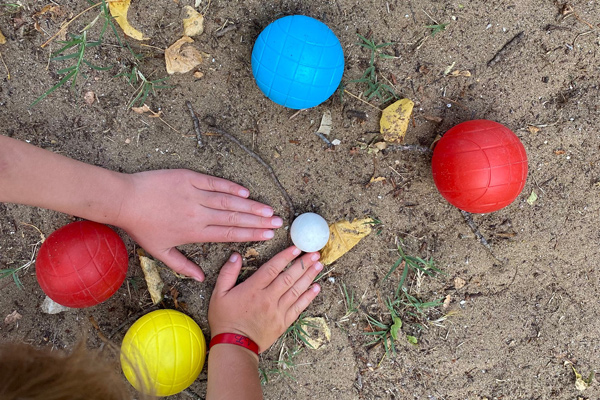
[[81, 264], [479, 166]]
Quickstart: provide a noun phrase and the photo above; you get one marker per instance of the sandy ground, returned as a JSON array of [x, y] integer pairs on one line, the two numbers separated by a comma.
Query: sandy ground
[[527, 308]]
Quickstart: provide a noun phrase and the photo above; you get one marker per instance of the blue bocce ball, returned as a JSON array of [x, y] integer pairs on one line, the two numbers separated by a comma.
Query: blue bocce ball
[[297, 62]]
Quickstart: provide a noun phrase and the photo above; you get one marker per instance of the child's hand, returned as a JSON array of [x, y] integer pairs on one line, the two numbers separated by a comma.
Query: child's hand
[[267, 303], [167, 208]]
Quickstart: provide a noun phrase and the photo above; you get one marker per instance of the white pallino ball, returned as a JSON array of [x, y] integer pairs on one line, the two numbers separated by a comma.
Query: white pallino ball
[[309, 232]]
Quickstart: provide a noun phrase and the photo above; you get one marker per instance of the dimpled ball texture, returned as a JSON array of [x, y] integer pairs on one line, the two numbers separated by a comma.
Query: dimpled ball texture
[[297, 62], [309, 232], [163, 353], [479, 166], [81, 264]]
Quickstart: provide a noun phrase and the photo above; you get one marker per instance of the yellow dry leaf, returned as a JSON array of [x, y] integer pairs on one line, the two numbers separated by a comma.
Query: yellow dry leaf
[[2, 38], [378, 179], [318, 331], [153, 279], [394, 120], [145, 109], [193, 25], [118, 9], [183, 59], [344, 236]]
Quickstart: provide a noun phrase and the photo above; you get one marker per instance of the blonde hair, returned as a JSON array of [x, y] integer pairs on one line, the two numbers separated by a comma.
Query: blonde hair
[[40, 374]]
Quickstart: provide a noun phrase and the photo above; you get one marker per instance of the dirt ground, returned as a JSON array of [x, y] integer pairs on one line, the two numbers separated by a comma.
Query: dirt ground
[[527, 309]]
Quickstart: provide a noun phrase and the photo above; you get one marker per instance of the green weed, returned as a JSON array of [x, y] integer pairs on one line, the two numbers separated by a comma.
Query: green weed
[[384, 333], [437, 28], [351, 306], [408, 263], [14, 272], [297, 332], [375, 88], [284, 364], [145, 87]]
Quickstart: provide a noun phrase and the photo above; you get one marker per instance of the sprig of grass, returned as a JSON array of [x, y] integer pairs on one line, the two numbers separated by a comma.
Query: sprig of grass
[[375, 88], [351, 306], [297, 332], [437, 28], [145, 87], [14, 272], [284, 364], [384, 333], [427, 267]]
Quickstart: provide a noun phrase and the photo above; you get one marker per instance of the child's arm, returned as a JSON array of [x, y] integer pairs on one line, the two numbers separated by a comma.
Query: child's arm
[[261, 308], [159, 209]]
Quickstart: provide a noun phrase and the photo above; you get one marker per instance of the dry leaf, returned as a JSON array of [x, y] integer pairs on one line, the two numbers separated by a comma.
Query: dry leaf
[[55, 11], [145, 109], [2, 38], [325, 127], [193, 25], [251, 253], [89, 97], [380, 145], [344, 236], [447, 301], [580, 383], [49, 306], [198, 74], [394, 120], [118, 9], [533, 129], [153, 279], [460, 73], [12, 317], [183, 59], [459, 283], [378, 179], [318, 331]]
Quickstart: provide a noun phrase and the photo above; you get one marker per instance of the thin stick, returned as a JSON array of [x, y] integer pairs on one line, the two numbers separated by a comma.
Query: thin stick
[[287, 197], [7, 71], [324, 138], [408, 147], [473, 226], [69, 23], [196, 123], [358, 98]]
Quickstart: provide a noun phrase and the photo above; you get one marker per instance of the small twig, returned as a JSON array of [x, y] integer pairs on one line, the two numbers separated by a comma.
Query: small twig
[[506, 49], [358, 98], [582, 34], [5, 67], [324, 138], [233, 139], [196, 123], [408, 147], [469, 220], [222, 31], [64, 27]]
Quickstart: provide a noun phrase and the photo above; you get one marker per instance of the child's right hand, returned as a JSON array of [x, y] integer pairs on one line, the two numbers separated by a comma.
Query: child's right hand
[[266, 304]]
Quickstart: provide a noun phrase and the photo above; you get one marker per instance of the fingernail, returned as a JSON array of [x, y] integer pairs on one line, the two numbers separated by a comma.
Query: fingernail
[[244, 192], [318, 266], [234, 257], [315, 257], [316, 288], [296, 251], [198, 279], [268, 235], [276, 222], [266, 212]]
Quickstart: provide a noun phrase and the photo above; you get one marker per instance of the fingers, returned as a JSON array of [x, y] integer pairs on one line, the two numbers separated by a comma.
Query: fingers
[[288, 278], [180, 264], [213, 233], [229, 274], [301, 285], [221, 201], [300, 305], [242, 220], [272, 268], [214, 184]]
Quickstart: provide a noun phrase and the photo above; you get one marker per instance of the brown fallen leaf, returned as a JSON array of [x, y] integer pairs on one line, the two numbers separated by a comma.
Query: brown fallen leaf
[[533, 129], [12, 318], [198, 74], [447, 301], [344, 235], [193, 25], [432, 118], [119, 9], [459, 283], [378, 179], [251, 253], [460, 73], [55, 12], [153, 279], [318, 331], [2, 38], [145, 109], [182, 59], [89, 97]]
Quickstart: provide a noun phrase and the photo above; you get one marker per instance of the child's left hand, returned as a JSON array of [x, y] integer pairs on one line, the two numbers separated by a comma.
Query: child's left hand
[[167, 208]]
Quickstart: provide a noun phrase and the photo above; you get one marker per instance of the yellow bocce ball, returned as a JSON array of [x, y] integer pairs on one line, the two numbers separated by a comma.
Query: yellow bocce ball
[[163, 353]]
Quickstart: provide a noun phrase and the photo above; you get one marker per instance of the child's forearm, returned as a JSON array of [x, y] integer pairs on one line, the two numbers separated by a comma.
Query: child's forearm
[[33, 176], [233, 374]]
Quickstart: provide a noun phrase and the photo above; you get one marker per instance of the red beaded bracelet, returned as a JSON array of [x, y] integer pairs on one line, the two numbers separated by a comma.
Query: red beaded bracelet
[[234, 338]]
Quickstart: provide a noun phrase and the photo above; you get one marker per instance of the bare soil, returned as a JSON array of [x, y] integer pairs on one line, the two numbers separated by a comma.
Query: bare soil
[[528, 307]]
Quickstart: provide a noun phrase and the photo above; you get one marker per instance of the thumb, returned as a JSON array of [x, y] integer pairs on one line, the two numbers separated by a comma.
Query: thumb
[[180, 264], [229, 274]]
